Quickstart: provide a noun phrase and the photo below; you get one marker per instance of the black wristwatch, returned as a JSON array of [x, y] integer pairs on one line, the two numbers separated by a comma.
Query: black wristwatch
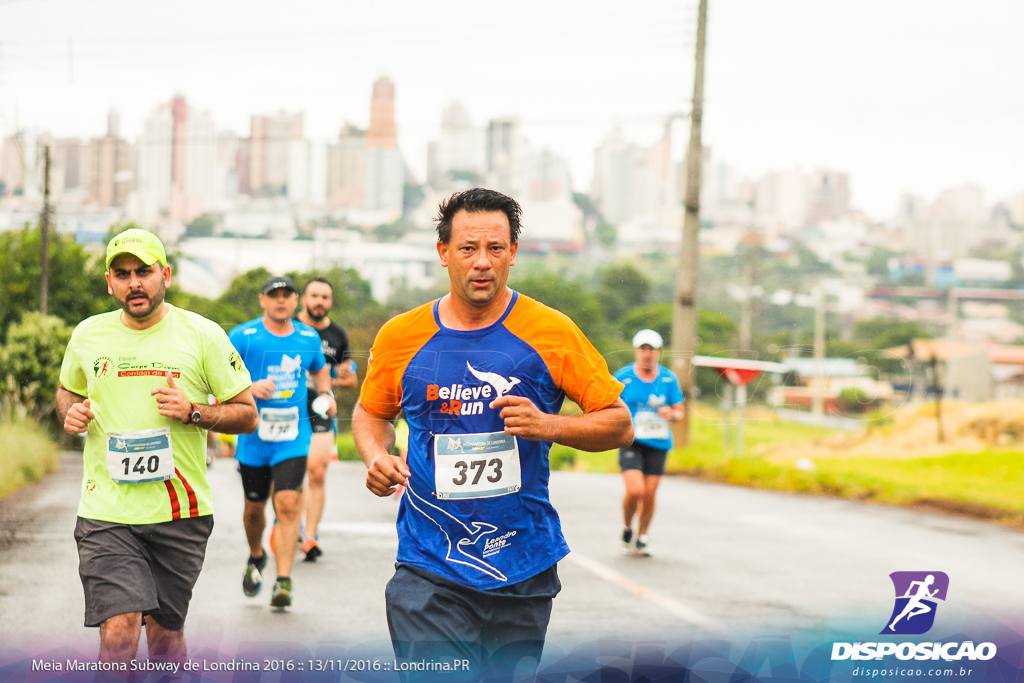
[[194, 415]]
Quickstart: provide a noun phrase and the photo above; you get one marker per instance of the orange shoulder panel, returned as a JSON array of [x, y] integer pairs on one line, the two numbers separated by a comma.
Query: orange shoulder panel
[[397, 342], [574, 363]]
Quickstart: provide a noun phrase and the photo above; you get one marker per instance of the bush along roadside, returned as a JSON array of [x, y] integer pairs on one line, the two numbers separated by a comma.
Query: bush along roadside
[[29, 454]]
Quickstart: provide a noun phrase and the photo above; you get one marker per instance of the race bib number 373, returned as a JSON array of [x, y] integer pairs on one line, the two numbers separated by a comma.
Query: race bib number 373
[[476, 465], [140, 457]]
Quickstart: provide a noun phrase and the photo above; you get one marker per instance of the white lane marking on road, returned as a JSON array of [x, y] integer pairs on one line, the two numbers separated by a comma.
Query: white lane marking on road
[[674, 606], [364, 528]]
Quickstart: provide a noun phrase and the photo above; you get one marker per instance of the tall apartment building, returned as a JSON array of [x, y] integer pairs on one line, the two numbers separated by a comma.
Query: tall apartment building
[[364, 169], [177, 162], [828, 196], [346, 168], [270, 142], [21, 163], [109, 167], [503, 152], [460, 148], [385, 170], [633, 183]]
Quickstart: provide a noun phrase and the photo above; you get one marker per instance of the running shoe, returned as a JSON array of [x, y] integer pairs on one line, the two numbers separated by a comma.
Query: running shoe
[[641, 546], [627, 539], [282, 593], [252, 579], [312, 548]]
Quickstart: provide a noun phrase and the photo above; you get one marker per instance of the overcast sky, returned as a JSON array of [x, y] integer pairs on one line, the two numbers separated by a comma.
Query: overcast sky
[[905, 95]]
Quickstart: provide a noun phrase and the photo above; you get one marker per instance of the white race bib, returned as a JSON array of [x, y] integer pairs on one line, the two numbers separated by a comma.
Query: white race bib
[[476, 465], [140, 457], [649, 426], [279, 424]]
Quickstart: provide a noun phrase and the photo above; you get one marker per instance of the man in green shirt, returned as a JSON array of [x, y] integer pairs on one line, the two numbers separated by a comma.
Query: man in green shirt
[[135, 381]]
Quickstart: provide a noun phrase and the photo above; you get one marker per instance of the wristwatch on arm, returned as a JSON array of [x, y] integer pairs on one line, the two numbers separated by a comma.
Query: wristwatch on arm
[[194, 416]]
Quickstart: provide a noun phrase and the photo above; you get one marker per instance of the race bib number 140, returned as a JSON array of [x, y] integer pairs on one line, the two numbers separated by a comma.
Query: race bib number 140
[[140, 457], [476, 465]]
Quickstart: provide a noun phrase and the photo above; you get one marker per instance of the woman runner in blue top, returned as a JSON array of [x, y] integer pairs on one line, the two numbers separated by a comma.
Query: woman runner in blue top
[[654, 399]]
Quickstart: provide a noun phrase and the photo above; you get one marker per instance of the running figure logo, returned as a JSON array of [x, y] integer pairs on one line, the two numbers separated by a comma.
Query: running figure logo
[[916, 595]]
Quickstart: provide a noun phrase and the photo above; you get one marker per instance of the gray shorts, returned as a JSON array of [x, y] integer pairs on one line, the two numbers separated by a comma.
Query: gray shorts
[[148, 568]]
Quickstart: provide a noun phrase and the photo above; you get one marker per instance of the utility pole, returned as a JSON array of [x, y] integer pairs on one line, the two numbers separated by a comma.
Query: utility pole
[[818, 406], [684, 305], [44, 228]]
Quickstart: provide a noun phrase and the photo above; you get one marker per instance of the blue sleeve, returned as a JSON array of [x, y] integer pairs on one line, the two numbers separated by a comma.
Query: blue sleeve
[[319, 359], [675, 393]]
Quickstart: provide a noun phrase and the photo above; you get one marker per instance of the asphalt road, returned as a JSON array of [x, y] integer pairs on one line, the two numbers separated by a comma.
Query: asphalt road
[[727, 562]]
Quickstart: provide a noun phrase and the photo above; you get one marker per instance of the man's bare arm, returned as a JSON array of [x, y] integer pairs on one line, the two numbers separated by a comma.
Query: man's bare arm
[[598, 430], [375, 437], [236, 415], [73, 410], [346, 378]]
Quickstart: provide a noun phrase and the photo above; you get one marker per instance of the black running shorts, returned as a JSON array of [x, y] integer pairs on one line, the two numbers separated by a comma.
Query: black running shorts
[[491, 633], [148, 568], [320, 424], [650, 461], [286, 475]]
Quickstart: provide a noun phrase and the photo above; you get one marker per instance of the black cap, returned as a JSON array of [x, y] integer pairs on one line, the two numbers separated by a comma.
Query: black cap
[[277, 282]]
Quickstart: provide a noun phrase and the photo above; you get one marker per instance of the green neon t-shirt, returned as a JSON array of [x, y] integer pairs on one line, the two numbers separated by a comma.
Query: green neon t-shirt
[[117, 368]]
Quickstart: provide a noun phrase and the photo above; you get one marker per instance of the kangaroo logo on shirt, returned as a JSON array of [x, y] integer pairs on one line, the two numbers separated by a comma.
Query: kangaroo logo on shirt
[[501, 385]]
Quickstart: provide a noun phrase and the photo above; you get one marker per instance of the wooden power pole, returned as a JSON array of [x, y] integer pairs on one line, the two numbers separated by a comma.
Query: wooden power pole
[[44, 228], [684, 313]]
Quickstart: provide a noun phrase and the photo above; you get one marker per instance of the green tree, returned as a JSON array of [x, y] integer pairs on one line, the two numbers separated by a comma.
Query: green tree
[[412, 196], [657, 317], [570, 298], [77, 287], [31, 361], [606, 234], [878, 261], [201, 226], [391, 232], [886, 333], [623, 288], [243, 293]]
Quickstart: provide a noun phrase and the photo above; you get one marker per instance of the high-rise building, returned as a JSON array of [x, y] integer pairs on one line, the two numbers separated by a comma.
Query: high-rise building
[[381, 132], [385, 170], [828, 196], [270, 139], [20, 163], [177, 161], [109, 167], [346, 168], [460, 149], [503, 152]]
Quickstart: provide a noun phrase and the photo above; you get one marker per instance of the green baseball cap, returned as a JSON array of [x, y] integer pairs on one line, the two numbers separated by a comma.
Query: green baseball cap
[[138, 242]]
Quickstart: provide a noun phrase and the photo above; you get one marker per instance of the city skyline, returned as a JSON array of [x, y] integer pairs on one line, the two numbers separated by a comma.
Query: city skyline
[[909, 98]]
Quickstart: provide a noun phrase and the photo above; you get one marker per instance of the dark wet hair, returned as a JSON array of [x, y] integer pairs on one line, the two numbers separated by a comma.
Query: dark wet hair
[[317, 279], [477, 200]]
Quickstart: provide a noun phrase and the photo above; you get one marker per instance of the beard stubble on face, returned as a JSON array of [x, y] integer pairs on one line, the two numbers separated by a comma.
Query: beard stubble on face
[[155, 302], [316, 314]]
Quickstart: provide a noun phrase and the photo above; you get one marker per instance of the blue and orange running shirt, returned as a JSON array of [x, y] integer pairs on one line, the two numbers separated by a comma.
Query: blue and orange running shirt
[[284, 430], [477, 510]]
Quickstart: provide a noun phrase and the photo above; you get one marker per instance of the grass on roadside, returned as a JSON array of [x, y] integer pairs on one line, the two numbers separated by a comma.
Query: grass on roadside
[[984, 484], [28, 454]]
